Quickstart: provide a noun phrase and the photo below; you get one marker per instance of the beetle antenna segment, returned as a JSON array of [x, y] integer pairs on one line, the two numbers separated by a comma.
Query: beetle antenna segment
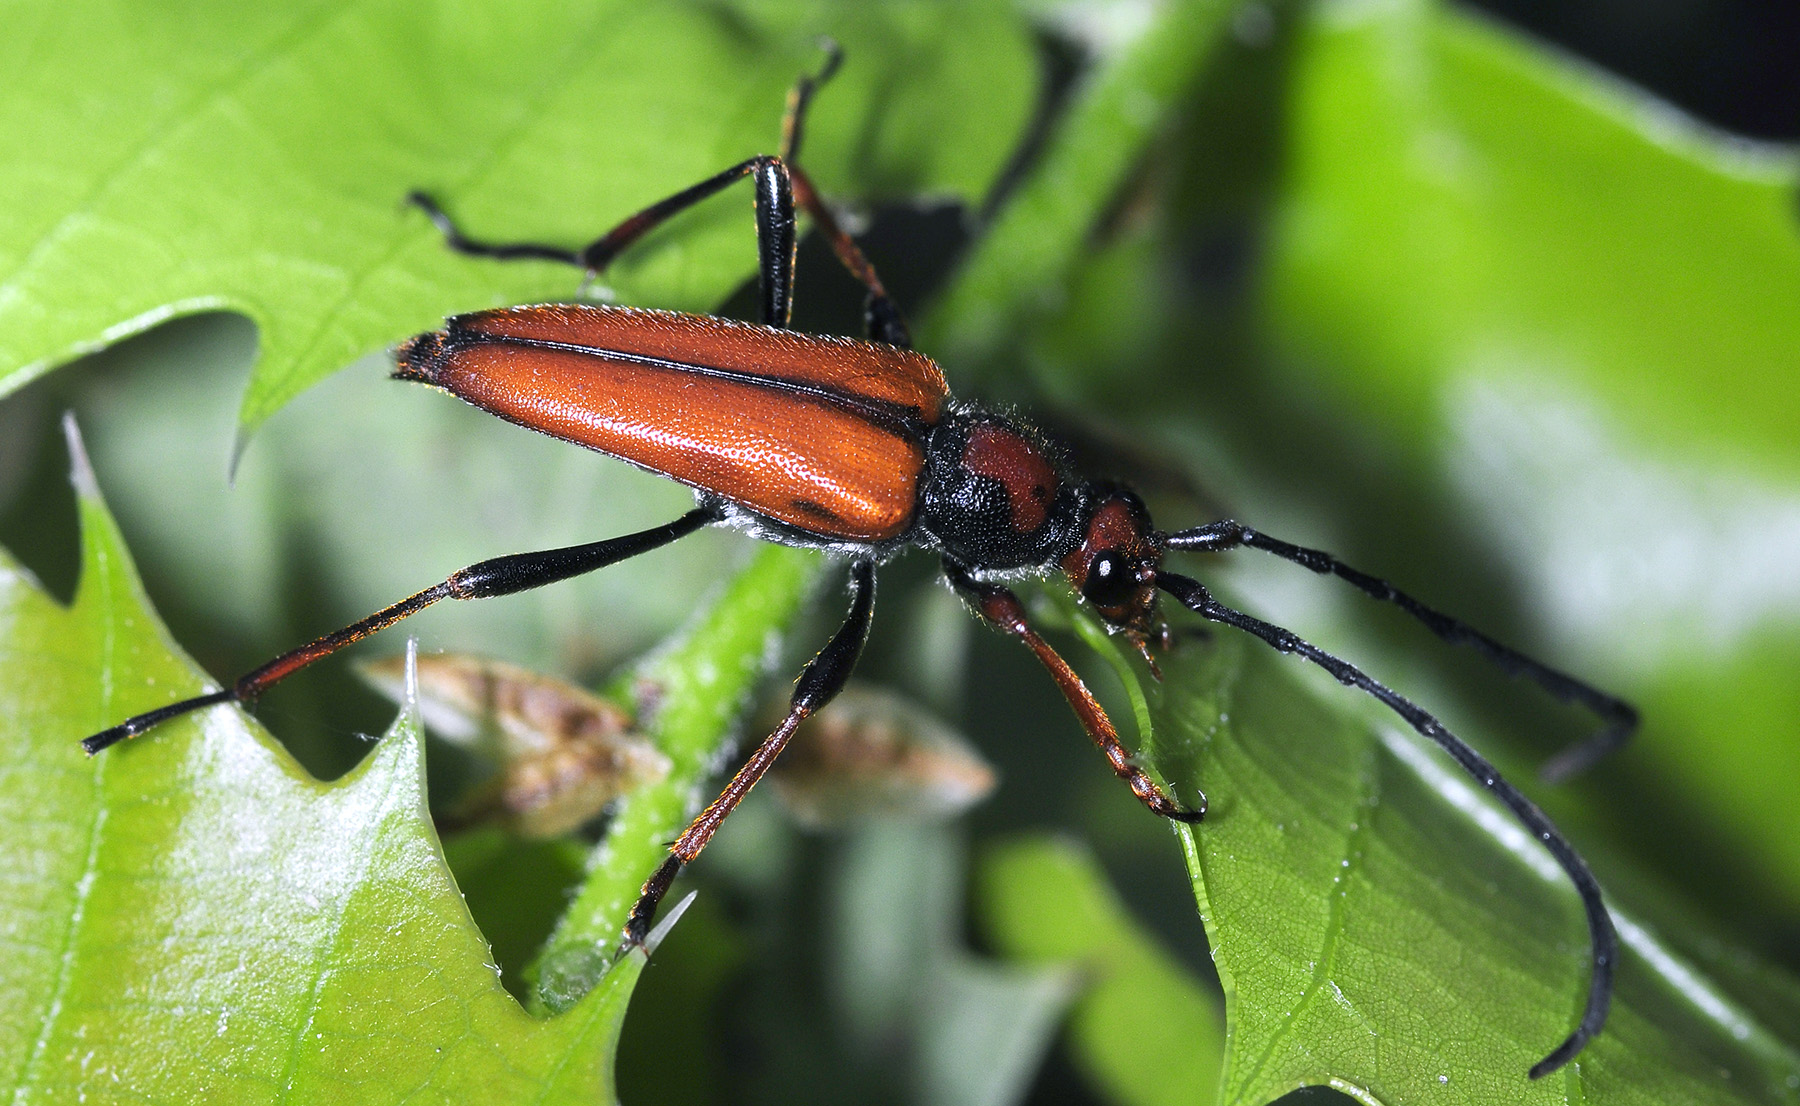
[[819, 682], [1605, 941], [1621, 718], [1002, 610], [499, 576]]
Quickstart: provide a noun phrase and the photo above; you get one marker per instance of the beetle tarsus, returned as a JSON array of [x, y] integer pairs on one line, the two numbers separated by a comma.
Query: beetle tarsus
[[138, 724], [643, 912], [793, 120], [497, 251]]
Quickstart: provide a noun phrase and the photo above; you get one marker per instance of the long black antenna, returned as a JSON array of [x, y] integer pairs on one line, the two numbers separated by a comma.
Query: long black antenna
[[1621, 718], [1605, 940]]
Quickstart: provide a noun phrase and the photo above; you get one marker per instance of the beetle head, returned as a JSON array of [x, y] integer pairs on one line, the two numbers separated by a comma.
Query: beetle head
[[1114, 567]]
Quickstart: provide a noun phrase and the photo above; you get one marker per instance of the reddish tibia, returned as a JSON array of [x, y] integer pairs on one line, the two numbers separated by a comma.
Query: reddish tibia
[[1002, 609]]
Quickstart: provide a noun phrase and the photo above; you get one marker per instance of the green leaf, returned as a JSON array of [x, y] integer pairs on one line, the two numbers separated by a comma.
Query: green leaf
[[1575, 307], [1529, 216], [1145, 1031], [193, 918], [1383, 927], [254, 159]]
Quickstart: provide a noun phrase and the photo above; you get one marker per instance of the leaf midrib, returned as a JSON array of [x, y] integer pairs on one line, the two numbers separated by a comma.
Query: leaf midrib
[[100, 578], [1369, 776], [325, 956]]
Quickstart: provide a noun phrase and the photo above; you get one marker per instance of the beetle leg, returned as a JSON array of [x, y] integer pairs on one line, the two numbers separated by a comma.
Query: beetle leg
[[1605, 941], [499, 576], [1002, 609], [1621, 718], [779, 185], [799, 101], [499, 251], [774, 227], [819, 682], [775, 238], [881, 318]]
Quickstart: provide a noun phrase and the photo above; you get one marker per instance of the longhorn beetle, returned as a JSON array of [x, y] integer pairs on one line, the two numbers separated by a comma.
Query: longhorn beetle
[[857, 448]]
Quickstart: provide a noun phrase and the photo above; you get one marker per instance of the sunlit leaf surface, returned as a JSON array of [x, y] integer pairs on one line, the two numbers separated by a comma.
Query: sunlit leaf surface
[[192, 918], [255, 159]]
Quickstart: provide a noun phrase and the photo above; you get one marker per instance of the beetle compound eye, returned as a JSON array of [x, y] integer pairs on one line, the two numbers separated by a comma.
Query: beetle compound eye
[[1110, 581]]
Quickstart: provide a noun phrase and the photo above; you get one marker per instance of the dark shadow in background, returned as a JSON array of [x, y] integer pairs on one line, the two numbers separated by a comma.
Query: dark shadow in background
[[1733, 63]]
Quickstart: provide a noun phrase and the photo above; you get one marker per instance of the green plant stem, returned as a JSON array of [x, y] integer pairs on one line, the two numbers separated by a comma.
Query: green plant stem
[[691, 695], [1016, 275]]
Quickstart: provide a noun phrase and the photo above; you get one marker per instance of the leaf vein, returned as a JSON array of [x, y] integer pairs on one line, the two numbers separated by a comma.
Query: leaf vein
[[1369, 778], [325, 960], [154, 136], [99, 578]]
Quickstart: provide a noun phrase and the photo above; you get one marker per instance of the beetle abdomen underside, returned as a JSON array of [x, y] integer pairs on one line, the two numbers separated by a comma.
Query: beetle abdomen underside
[[823, 434]]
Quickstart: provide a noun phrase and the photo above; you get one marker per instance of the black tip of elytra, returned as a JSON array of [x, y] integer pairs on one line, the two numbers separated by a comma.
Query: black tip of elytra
[[422, 358]]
